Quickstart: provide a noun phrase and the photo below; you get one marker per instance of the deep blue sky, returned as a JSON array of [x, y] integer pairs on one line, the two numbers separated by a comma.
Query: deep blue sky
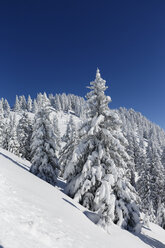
[[56, 46]]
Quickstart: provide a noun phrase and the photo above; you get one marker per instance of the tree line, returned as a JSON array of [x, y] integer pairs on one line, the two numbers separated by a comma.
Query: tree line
[[113, 163]]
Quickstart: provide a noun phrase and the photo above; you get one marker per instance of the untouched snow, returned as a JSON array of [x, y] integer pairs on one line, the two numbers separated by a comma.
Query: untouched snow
[[35, 214], [63, 120]]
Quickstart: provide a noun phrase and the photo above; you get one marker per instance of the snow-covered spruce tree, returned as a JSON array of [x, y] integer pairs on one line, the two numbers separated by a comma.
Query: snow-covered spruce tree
[[29, 104], [70, 130], [96, 172], [157, 175], [1, 124], [6, 108], [6, 134], [57, 139], [24, 133], [71, 140], [42, 100], [163, 157], [17, 107], [57, 102], [160, 218], [143, 185], [13, 144], [22, 102], [151, 213], [43, 149], [35, 107]]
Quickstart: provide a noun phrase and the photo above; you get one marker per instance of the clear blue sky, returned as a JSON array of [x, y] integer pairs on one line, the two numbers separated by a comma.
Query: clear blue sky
[[56, 46]]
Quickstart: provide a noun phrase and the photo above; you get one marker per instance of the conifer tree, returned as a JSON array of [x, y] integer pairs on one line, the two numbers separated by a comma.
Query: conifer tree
[[96, 172], [29, 104], [35, 107], [163, 156], [45, 100], [13, 144], [71, 140], [143, 185], [157, 175], [6, 108], [160, 218], [57, 139], [151, 212], [43, 149], [70, 130], [57, 102], [24, 133], [22, 102], [17, 105], [6, 134], [1, 124], [39, 100]]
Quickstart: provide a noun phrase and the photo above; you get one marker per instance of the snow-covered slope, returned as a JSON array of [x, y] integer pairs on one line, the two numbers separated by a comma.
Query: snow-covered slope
[[63, 120], [35, 214]]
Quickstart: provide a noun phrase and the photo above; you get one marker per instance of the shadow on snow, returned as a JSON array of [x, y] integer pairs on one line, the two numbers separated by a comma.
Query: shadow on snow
[[154, 243], [70, 203], [23, 166]]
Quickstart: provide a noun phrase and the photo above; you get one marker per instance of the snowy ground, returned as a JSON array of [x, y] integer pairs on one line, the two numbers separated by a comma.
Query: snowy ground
[[33, 214], [63, 120]]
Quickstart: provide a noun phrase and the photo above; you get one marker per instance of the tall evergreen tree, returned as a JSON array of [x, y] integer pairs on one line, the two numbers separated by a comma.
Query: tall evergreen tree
[[43, 149], [24, 133], [17, 105], [29, 104], [6, 134], [13, 144], [70, 130], [163, 156], [1, 124], [160, 218], [45, 100], [71, 140], [96, 171], [143, 185], [157, 175], [57, 102], [35, 107], [6, 108], [22, 102]]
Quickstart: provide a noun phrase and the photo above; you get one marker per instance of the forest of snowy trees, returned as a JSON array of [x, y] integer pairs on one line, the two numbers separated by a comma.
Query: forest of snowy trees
[[113, 161]]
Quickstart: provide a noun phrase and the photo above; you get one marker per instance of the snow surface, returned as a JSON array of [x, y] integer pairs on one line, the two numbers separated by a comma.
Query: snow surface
[[34, 214], [63, 120]]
